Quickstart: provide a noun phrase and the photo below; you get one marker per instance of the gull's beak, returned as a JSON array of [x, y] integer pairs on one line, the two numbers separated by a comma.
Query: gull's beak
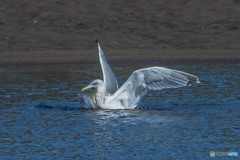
[[85, 88]]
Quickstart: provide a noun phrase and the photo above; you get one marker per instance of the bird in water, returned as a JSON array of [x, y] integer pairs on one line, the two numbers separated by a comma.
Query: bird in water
[[107, 95]]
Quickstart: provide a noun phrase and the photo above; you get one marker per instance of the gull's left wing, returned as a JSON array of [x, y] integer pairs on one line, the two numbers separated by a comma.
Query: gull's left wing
[[142, 80], [108, 76]]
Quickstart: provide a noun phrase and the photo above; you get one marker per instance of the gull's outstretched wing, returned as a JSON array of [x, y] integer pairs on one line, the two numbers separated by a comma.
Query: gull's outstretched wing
[[154, 78], [108, 76]]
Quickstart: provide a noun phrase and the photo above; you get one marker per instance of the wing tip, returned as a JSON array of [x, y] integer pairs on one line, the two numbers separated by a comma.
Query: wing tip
[[192, 82], [96, 40]]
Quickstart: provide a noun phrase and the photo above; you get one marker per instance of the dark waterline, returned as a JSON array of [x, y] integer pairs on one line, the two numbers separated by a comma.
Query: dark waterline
[[41, 118]]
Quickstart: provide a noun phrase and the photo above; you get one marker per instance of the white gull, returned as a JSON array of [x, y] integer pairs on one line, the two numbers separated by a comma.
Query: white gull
[[106, 94]]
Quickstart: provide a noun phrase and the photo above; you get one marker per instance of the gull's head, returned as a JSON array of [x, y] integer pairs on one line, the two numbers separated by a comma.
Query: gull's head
[[95, 85]]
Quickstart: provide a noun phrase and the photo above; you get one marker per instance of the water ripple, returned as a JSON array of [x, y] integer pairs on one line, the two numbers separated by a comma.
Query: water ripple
[[41, 117]]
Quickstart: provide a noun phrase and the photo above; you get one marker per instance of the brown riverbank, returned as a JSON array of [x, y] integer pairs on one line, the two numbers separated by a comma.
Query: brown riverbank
[[119, 56], [61, 31]]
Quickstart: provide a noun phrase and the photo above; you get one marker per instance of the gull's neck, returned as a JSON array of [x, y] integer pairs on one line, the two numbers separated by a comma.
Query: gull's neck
[[101, 95]]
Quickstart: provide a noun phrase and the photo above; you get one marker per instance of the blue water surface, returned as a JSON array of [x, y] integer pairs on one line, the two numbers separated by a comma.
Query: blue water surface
[[41, 118]]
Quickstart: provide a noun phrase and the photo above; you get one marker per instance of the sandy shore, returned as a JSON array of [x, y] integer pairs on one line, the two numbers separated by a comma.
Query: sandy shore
[[119, 56], [61, 31]]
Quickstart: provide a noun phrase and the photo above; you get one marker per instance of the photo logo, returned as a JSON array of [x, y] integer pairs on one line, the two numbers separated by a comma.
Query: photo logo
[[212, 154], [220, 154]]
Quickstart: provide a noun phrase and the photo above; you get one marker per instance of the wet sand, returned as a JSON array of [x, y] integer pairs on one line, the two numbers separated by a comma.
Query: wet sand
[[61, 31], [118, 56]]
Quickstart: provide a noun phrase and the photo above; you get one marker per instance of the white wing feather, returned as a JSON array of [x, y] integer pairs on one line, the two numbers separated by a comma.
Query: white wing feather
[[154, 78], [109, 78]]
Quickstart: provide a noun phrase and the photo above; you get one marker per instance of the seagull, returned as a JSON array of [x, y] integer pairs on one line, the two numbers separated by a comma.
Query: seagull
[[105, 94]]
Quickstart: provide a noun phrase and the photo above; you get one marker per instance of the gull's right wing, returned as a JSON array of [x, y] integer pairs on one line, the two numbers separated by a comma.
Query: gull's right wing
[[108, 76], [142, 80]]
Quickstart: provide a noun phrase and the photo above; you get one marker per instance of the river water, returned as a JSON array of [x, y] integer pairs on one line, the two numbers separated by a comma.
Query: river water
[[41, 117]]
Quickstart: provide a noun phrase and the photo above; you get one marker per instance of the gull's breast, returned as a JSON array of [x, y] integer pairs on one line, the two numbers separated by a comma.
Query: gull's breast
[[90, 99]]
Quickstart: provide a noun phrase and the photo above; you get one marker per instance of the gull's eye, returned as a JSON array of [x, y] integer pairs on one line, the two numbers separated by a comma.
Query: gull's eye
[[95, 83]]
